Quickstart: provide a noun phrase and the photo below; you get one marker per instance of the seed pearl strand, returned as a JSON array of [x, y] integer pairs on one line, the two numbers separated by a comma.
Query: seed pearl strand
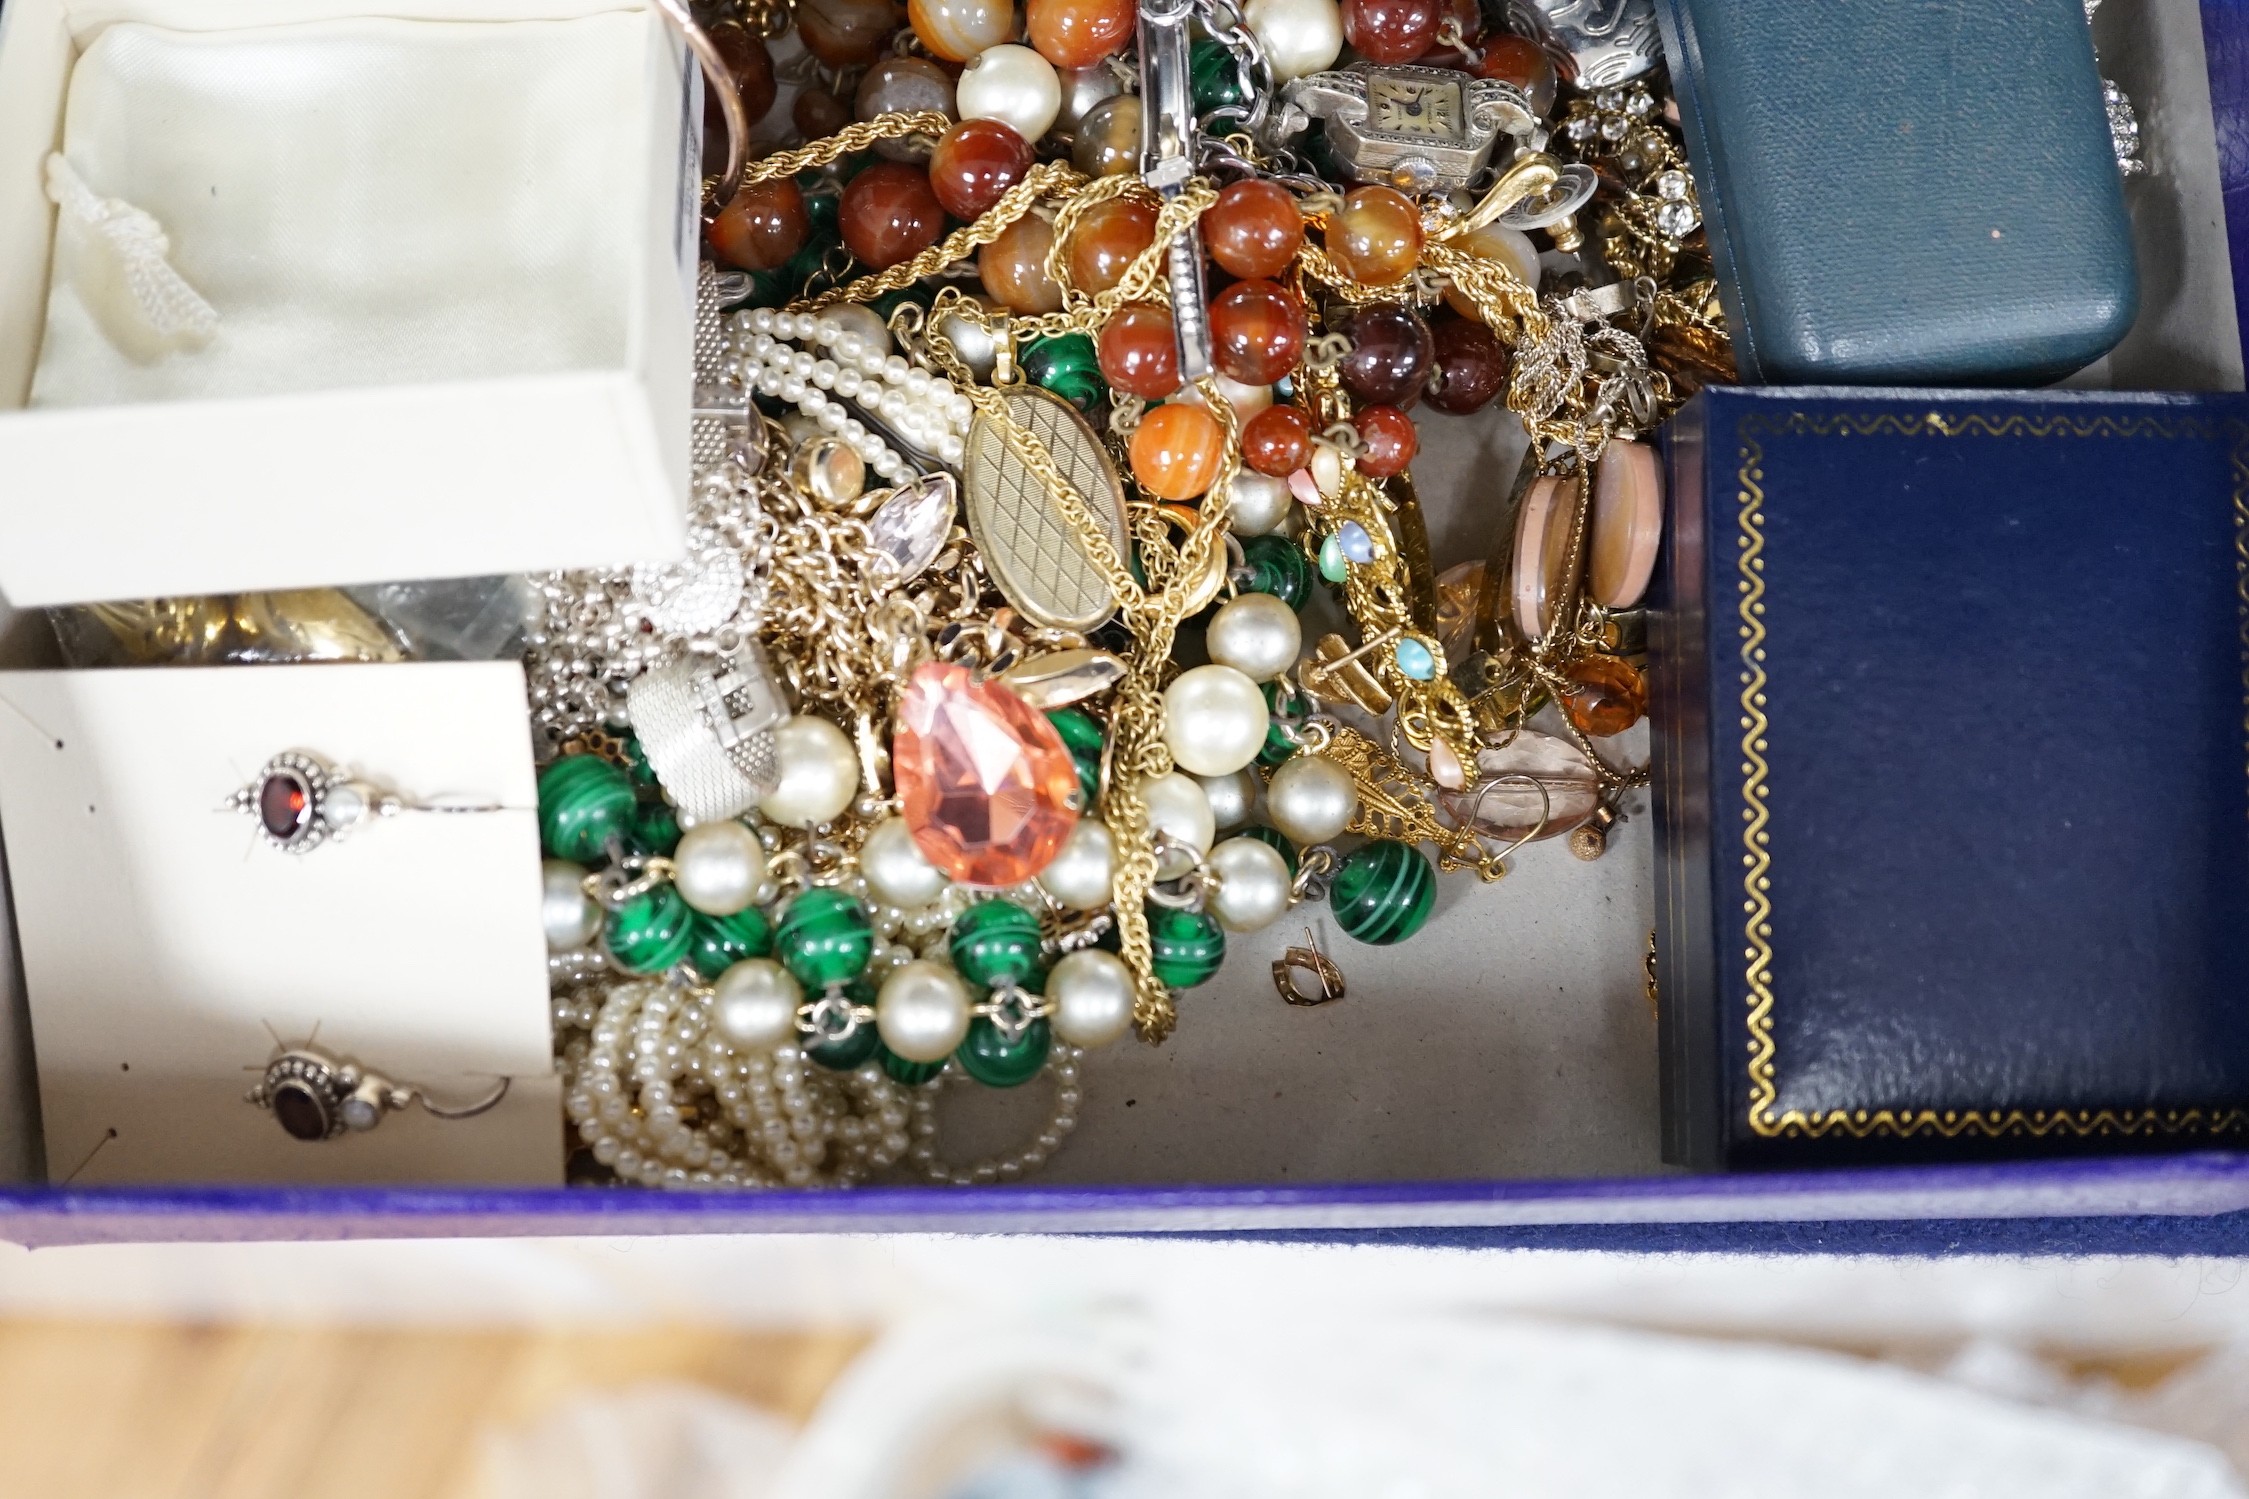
[[1067, 1097], [926, 410]]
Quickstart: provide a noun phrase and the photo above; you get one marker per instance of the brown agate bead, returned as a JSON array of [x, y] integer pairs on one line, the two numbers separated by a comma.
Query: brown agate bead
[[902, 85], [846, 33], [1391, 31], [1107, 240], [1254, 229], [1520, 61], [1391, 355], [888, 214], [975, 163], [1014, 267], [1377, 235], [1387, 441], [1140, 352], [1472, 366], [818, 113], [764, 225], [1277, 441], [1108, 138], [958, 30], [1607, 695], [1176, 450], [1256, 332], [1078, 33], [752, 67]]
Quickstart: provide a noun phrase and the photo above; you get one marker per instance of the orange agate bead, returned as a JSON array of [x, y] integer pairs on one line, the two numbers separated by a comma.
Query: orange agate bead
[[975, 163], [888, 214], [1254, 229], [1277, 441], [764, 225], [1377, 236], [1387, 441], [1078, 33], [1107, 240], [1140, 352], [1013, 267], [1257, 332], [1176, 450]]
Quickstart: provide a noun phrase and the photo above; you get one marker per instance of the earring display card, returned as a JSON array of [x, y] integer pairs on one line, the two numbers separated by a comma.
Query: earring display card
[[168, 946]]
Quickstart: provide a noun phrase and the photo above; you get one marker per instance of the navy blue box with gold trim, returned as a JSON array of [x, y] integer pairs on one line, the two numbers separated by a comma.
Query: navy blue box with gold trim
[[1951, 776]]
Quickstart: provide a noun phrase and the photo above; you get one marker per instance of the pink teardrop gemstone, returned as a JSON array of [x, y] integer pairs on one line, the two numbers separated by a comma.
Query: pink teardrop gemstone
[[989, 790]]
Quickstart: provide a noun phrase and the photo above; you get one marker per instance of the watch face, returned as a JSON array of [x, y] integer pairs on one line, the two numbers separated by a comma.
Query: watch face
[[1416, 108]]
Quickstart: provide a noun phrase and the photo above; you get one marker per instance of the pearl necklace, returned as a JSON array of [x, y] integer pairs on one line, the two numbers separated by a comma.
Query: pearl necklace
[[1063, 1067], [927, 411]]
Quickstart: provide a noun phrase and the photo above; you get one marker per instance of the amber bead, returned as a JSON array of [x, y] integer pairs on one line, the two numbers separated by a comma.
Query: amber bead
[[1392, 352], [1607, 695], [1175, 451], [1256, 332], [974, 163], [1107, 239], [1387, 441], [904, 85], [1108, 138], [1377, 236], [1472, 366], [1520, 61], [1140, 352], [1014, 267], [958, 30], [1277, 441], [1078, 33], [1391, 31], [764, 226], [846, 33], [818, 114], [1254, 229], [888, 214]]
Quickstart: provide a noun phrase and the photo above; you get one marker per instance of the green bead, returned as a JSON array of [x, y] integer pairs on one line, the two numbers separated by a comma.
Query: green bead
[[1080, 730], [854, 1050], [650, 932], [1068, 366], [825, 938], [996, 942], [997, 1062], [1333, 564], [1212, 76], [656, 828], [723, 941], [1189, 945], [1278, 566], [1279, 748], [908, 1074], [1383, 893], [637, 766], [584, 802], [1275, 839]]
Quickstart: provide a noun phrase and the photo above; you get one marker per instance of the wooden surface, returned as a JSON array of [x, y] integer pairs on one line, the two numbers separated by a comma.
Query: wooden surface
[[182, 1412]]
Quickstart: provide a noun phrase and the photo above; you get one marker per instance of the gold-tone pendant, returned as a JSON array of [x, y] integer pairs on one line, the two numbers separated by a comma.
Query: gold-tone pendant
[[1033, 554], [1060, 678]]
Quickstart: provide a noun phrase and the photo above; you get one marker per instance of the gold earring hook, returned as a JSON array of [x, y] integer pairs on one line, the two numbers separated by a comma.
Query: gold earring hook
[[1311, 960]]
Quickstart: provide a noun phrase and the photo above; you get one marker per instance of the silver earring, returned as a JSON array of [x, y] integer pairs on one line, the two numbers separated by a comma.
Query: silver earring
[[300, 801], [315, 1096]]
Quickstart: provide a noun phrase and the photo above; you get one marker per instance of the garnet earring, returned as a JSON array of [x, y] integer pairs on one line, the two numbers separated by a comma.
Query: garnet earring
[[300, 801], [315, 1096]]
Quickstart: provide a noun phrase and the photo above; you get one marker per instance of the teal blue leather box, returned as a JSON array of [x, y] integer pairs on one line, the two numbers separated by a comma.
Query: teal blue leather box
[[1951, 776], [1905, 192]]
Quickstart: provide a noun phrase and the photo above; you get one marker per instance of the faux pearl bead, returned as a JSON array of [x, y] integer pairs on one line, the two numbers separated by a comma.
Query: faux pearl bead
[[1254, 887], [718, 867], [819, 773], [1080, 875], [1092, 994], [1014, 85], [1300, 37], [1177, 805], [1311, 800], [922, 1011], [1214, 720], [1232, 798], [754, 1004], [895, 869], [1257, 635], [571, 919], [1261, 503]]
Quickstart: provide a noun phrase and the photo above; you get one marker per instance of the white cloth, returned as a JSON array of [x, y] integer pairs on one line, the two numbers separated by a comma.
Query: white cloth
[[364, 202]]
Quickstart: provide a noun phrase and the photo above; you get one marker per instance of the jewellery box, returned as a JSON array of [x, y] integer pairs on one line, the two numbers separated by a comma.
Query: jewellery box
[[477, 361], [1905, 194]]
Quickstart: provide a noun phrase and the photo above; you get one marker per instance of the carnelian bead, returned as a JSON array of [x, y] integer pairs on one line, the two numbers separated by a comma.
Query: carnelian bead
[[1472, 366], [1470, 15], [764, 225], [818, 113], [1522, 62], [1106, 241], [1175, 451], [888, 214], [1256, 332], [1078, 33], [1387, 441], [976, 162], [1014, 267], [846, 33], [1391, 31], [1253, 230], [1277, 441], [1140, 352], [751, 68], [1376, 238]]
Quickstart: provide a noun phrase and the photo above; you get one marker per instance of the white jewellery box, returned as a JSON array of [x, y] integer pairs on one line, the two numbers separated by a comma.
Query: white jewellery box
[[297, 293]]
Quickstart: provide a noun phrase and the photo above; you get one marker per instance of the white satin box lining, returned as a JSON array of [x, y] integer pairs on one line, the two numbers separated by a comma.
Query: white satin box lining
[[442, 254]]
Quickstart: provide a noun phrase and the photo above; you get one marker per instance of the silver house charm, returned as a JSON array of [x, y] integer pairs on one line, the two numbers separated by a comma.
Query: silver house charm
[[707, 729], [1417, 129], [1594, 43]]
